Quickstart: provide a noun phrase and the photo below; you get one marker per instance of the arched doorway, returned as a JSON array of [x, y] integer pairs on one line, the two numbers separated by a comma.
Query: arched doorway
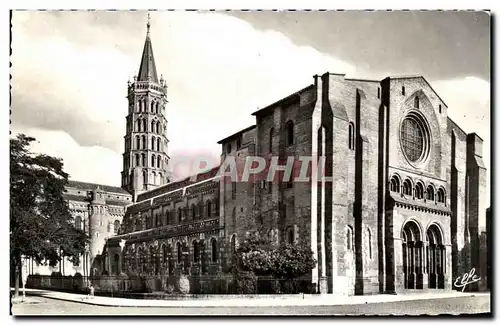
[[412, 256], [436, 257]]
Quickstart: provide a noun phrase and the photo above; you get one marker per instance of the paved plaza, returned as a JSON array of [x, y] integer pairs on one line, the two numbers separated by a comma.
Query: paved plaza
[[51, 303]]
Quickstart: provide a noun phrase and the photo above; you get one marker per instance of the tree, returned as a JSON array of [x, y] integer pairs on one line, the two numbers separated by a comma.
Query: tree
[[256, 255], [41, 225]]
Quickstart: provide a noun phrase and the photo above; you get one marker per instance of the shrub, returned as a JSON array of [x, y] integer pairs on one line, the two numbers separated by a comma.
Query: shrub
[[245, 283], [183, 284]]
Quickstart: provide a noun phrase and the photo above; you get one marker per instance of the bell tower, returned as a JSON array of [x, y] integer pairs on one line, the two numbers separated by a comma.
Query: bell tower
[[145, 160]]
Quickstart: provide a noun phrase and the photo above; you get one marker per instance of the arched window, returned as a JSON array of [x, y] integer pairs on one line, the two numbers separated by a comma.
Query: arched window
[[158, 161], [233, 244], [179, 252], [157, 108], [179, 214], [419, 191], [417, 102], [271, 135], [158, 144], [153, 142], [430, 193], [138, 126], [152, 107], [144, 143], [196, 251], [145, 177], [289, 133], [144, 126], [209, 209], [153, 160], [143, 160], [395, 186], [158, 127], [165, 253], [213, 245], [407, 188], [441, 195], [349, 238], [137, 159], [233, 217], [193, 211], [200, 210], [137, 142], [352, 136], [369, 242], [116, 226], [152, 126], [78, 222]]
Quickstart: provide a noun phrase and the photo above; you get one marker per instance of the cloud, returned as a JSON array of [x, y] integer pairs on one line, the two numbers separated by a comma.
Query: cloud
[[469, 106]]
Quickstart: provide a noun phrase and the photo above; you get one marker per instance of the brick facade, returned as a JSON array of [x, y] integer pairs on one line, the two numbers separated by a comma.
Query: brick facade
[[399, 208]]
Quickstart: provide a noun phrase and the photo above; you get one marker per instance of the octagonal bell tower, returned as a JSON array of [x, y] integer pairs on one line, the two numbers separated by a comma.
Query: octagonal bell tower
[[145, 160]]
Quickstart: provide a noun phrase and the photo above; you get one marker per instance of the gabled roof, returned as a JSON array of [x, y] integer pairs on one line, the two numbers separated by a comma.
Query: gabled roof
[[147, 69], [235, 134], [262, 110], [418, 76], [93, 187]]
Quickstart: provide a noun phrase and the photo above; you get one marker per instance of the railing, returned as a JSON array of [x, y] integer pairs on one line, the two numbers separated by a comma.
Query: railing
[[159, 287]]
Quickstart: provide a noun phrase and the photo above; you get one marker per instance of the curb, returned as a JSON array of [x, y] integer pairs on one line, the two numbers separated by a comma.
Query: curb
[[318, 303]]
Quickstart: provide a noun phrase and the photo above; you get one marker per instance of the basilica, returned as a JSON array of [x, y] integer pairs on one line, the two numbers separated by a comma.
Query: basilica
[[400, 210]]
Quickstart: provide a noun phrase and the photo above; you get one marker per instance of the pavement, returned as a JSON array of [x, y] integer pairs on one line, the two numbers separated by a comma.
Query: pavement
[[241, 300]]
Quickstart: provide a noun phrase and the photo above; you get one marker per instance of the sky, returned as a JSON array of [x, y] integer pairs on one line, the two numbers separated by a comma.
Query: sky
[[70, 72]]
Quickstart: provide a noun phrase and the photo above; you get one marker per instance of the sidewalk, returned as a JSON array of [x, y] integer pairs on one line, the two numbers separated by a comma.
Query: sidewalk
[[275, 300]]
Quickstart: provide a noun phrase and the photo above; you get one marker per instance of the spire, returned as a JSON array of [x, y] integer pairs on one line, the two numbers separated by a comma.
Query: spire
[[147, 70]]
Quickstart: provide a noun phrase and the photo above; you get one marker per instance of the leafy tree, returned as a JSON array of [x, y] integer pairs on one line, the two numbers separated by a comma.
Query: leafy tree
[[41, 225]]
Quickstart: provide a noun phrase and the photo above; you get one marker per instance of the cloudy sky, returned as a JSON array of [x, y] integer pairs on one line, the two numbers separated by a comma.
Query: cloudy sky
[[70, 72]]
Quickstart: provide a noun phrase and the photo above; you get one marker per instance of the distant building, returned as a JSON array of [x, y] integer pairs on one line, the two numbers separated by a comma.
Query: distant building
[[401, 212]]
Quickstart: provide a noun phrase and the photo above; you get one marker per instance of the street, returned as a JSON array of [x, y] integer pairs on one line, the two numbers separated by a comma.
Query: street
[[450, 306]]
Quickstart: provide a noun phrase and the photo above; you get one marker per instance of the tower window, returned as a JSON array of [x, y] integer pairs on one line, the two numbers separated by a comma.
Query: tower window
[[417, 102], [158, 127], [137, 142], [439, 108], [143, 160], [158, 142], [158, 161], [153, 143], [137, 160], [289, 133], [152, 107], [403, 90], [157, 108], [144, 128], [152, 126], [153, 160]]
